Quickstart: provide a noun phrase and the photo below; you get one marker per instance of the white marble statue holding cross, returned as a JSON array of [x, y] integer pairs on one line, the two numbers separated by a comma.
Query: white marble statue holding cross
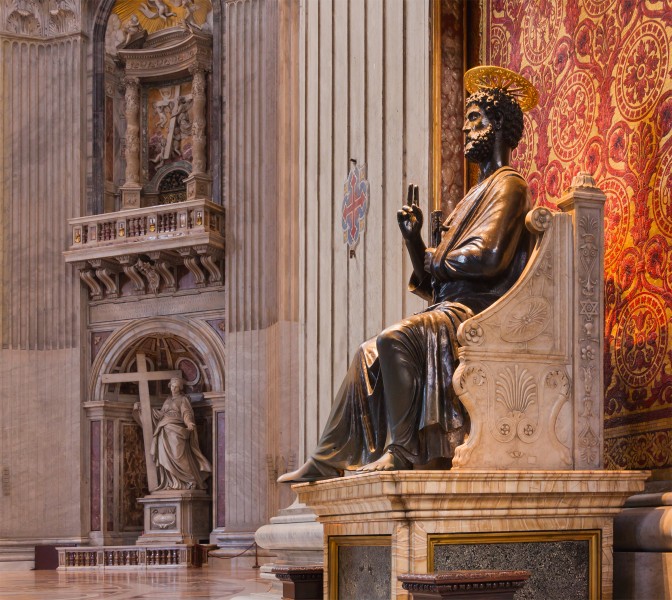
[[173, 457]]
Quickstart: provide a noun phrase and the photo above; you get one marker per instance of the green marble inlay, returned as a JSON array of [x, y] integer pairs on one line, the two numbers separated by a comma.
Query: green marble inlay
[[560, 570]]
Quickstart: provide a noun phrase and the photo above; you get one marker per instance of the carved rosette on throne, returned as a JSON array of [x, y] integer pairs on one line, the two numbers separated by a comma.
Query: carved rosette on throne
[[527, 489]]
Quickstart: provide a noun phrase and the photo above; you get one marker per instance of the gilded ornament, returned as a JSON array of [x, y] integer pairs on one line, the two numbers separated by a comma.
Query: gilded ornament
[[489, 77]]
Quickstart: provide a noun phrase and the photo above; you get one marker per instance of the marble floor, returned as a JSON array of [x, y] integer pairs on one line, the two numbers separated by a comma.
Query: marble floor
[[171, 584]]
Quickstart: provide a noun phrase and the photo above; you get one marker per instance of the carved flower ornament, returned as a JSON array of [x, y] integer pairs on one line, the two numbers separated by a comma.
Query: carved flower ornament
[[473, 334]]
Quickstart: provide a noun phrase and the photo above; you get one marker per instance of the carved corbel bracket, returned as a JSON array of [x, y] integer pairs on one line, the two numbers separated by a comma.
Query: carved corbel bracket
[[164, 264], [210, 259], [107, 272], [192, 263], [128, 262], [88, 276]]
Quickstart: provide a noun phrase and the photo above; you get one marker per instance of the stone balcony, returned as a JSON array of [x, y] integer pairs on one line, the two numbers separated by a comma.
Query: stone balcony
[[152, 250]]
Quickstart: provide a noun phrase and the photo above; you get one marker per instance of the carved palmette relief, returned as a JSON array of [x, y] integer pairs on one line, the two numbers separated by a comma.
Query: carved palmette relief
[[40, 18], [23, 17], [515, 412], [63, 16]]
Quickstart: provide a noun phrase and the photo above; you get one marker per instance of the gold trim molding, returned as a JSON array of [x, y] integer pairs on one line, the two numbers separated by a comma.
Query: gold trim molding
[[592, 536]]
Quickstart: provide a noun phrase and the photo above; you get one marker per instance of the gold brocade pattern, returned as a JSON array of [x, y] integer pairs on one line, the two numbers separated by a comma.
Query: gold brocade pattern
[[604, 72]]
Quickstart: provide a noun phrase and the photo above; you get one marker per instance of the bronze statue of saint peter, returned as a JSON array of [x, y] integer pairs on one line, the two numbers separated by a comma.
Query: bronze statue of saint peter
[[396, 407]]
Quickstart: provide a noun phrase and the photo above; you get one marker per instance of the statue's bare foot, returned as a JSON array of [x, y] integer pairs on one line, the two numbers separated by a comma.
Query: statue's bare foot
[[389, 461], [308, 472]]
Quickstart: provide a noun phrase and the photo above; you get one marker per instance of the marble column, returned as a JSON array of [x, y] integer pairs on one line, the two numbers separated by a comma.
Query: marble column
[[43, 155], [259, 62], [130, 191], [199, 182]]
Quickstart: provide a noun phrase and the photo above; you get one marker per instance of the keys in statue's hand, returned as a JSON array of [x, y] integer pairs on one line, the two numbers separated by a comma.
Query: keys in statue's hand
[[410, 216]]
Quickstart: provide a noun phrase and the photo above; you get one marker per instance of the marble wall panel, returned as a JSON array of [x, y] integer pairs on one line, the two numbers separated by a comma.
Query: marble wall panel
[[364, 572], [42, 444], [94, 475], [108, 453], [220, 488], [133, 477]]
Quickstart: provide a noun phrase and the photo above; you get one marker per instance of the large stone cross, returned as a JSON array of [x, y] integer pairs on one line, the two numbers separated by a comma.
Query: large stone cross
[[172, 123], [143, 377]]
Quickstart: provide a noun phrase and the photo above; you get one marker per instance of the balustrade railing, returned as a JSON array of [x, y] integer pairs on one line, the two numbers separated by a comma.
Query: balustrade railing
[[110, 557], [151, 223], [145, 247]]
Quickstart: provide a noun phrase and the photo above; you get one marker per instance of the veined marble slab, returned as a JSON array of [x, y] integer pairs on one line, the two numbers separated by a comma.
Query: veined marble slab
[[419, 509]]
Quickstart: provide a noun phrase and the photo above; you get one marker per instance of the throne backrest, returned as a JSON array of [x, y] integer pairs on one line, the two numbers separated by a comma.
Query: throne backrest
[[530, 372]]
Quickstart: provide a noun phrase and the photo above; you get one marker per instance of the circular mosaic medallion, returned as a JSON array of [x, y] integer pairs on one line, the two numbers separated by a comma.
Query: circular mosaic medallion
[[573, 115], [617, 216], [641, 340], [662, 196], [541, 25], [190, 371], [641, 70]]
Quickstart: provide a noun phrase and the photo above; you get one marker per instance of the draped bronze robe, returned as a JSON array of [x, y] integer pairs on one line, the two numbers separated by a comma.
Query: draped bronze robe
[[484, 247]]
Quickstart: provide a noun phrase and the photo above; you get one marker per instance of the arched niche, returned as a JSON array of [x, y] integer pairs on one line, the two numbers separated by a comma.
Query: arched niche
[[117, 461], [198, 335]]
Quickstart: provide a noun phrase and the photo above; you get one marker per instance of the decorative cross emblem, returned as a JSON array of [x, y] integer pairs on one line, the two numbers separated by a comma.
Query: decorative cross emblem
[[355, 204]]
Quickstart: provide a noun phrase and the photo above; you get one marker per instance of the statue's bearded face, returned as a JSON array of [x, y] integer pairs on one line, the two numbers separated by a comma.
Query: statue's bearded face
[[479, 134]]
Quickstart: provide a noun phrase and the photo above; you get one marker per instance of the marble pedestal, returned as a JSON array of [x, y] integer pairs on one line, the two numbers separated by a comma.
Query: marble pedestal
[[294, 538], [176, 517], [556, 524], [643, 545]]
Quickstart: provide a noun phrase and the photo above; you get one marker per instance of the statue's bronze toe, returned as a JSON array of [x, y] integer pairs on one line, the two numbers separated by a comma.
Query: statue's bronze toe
[[308, 472]]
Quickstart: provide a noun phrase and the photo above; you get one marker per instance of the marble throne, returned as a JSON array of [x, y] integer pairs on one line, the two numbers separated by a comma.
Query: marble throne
[[528, 483]]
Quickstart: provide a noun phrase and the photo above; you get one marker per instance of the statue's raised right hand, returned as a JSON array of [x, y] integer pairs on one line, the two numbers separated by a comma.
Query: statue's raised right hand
[[410, 216]]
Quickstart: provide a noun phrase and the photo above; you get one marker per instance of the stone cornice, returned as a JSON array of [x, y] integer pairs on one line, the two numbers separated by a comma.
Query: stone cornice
[[157, 62]]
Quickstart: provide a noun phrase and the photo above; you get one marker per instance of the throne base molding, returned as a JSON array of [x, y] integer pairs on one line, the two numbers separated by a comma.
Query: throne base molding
[[381, 525]]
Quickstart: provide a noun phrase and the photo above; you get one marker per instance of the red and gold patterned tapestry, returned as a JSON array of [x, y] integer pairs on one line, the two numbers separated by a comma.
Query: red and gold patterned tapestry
[[604, 72]]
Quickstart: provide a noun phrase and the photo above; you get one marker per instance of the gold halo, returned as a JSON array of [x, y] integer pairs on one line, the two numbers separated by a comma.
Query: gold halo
[[488, 77]]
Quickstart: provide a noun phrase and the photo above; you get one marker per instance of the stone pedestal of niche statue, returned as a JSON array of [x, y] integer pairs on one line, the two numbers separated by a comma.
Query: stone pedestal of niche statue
[[177, 510], [523, 351]]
